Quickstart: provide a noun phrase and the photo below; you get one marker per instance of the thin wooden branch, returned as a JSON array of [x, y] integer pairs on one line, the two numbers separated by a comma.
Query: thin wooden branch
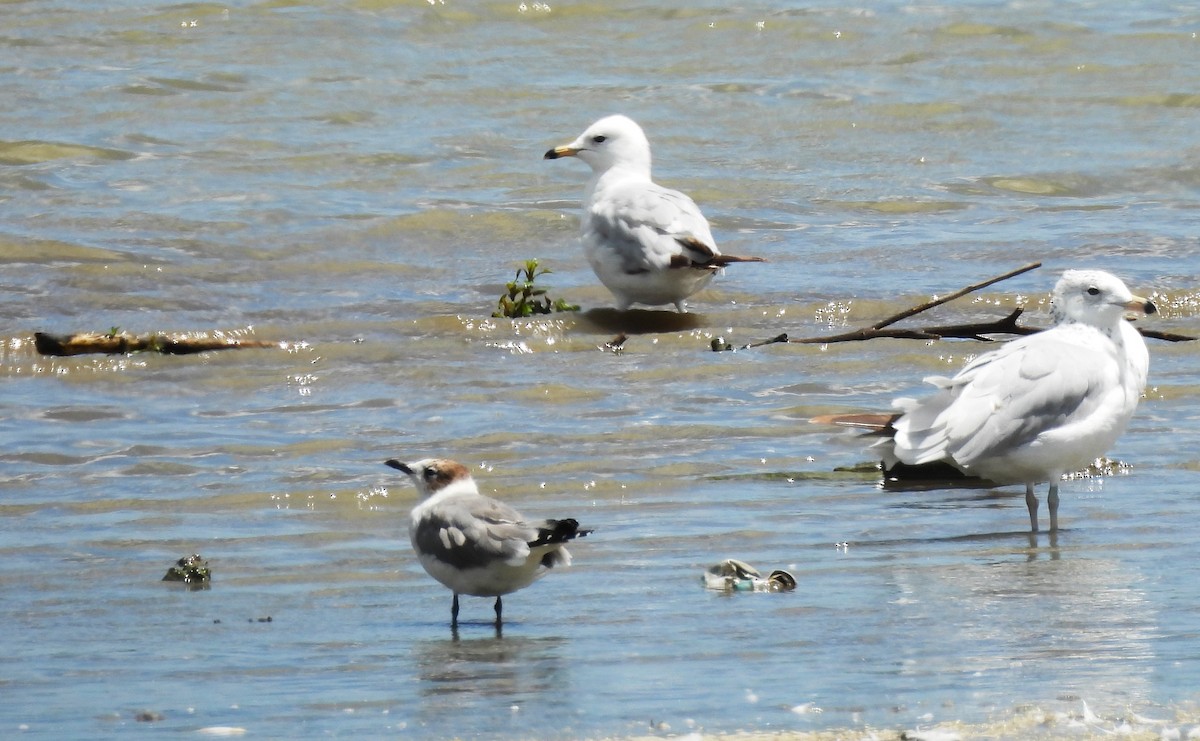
[[1166, 336], [972, 331], [120, 343], [957, 294], [719, 343]]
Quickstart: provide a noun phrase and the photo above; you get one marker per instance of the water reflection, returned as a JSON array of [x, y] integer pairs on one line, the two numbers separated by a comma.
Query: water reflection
[[639, 321], [490, 675], [492, 666], [1039, 616]]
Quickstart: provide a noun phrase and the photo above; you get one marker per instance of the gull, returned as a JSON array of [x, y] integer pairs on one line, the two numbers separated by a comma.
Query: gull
[[474, 544], [1038, 407], [647, 244]]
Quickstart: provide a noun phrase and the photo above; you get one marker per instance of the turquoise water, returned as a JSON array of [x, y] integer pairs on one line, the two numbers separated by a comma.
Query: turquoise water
[[359, 180]]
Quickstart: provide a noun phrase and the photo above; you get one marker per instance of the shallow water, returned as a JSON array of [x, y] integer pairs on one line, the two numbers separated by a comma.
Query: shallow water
[[358, 180]]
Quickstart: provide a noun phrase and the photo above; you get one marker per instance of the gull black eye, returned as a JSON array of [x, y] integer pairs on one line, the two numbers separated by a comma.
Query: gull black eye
[[430, 473], [599, 139], [1093, 291]]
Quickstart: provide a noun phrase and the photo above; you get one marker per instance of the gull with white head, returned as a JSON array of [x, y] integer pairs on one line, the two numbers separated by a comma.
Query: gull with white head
[[474, 544], [647, 244], [1042, 405], [1038, 407]]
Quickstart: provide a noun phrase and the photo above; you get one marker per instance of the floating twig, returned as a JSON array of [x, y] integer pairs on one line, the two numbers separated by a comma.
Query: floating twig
[[120, 343], [616, 345], [957, 294], [1155, 334], [972, 330], [719, 343]]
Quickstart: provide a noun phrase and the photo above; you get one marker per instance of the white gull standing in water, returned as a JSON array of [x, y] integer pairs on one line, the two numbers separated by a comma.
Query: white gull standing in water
[[474, 544], [647, 244], [1037, 407]]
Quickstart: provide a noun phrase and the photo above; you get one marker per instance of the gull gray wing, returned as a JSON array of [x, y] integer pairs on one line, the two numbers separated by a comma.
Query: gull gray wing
[[472, 531], [1006, 399], [647, 225]]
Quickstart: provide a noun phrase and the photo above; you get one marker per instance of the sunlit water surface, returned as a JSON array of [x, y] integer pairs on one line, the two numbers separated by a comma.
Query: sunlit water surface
[[360, 179]]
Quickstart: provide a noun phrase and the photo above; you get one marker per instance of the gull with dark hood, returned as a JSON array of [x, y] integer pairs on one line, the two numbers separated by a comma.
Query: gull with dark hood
[[474, 544]]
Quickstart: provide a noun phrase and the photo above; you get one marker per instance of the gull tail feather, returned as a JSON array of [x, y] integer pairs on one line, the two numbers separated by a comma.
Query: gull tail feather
[[873, 422], [552, 532], [704, 256], [552, 535]]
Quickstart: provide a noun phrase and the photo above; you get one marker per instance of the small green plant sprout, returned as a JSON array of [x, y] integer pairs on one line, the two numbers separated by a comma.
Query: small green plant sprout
[[523, 297]]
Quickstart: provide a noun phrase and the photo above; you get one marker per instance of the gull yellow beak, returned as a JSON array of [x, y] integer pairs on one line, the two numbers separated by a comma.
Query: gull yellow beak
[[557, 152], [1138, 304]]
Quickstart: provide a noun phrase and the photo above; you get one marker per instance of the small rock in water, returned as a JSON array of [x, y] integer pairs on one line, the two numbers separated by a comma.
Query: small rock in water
[[192, 570]]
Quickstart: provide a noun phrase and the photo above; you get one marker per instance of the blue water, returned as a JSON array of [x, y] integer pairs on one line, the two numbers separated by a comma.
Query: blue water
[[359, 180]]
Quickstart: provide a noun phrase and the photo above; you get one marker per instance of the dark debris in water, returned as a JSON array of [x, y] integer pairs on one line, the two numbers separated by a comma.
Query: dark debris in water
[[854, 473], [720, 345], [117, 342], [191, 570], [902, 477], [616, 345]]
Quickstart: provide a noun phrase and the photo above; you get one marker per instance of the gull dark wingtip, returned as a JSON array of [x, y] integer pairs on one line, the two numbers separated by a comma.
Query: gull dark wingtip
[[558, 531], [569, 528]]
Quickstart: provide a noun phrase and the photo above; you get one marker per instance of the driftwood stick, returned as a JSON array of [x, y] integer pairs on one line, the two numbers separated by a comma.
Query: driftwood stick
[[973, 331], [957, 294], [1007, 325], [772, 341], [119, 343], [1165, 336]]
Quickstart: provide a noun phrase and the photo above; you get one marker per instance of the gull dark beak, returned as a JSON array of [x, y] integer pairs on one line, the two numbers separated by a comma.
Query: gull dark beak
[[398, 466], [557, 152], [1142, 306]]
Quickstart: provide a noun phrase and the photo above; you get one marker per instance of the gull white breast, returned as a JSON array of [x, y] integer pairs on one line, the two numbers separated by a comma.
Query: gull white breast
[[474, 544], [647, 244]]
